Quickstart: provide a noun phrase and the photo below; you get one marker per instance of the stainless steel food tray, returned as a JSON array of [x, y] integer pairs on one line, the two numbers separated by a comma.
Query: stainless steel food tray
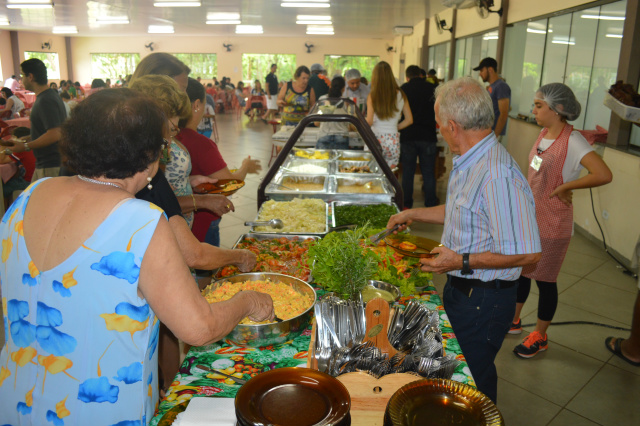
[[335, 181], [372, 164], [332, 153], [348, 155], [293, 162], [277, 231], [334, 204], [261, 237], [289, 180]]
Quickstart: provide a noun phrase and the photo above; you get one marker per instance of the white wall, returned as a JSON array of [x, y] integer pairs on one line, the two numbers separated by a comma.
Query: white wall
[[5, 56], [229, 63]]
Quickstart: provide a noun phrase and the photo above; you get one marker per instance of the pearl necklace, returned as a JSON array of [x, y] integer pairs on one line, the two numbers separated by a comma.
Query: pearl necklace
[[86, 179]]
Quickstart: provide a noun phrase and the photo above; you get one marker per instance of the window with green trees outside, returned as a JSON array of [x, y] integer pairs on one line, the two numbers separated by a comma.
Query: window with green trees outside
[[113, 65], [203, 65], [339, 64], [256, 66], [50, 60]]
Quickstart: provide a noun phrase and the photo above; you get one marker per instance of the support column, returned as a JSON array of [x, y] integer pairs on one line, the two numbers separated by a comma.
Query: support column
[[628, 71], [67, 44], [502, 32], [452, 47], [15, 53], [424, 55]]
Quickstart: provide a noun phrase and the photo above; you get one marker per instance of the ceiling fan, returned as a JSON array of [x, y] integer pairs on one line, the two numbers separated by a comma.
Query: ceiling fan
[[149, 46], [227, 46], [441, 25], [483, 7]]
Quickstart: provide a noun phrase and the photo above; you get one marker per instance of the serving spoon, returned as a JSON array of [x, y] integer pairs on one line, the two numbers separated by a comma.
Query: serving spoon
[[274, 223]]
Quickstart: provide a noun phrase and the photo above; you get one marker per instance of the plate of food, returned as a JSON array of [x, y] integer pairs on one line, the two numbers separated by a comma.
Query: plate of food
[[222, 186], [411, 245]]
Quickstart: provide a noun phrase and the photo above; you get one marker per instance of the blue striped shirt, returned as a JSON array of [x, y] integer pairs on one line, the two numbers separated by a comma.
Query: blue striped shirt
[[490, 208]]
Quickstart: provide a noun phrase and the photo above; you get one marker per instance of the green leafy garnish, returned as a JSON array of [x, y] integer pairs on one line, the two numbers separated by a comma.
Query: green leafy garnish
[[376, 214]]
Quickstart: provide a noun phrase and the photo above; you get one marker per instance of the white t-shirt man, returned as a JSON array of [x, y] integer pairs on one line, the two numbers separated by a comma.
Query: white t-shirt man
[[12, 84]]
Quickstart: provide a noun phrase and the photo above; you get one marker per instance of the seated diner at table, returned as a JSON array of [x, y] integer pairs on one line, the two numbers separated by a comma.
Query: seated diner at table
[[89, 272]]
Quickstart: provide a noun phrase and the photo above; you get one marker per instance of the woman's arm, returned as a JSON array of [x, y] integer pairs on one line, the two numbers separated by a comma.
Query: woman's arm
[[215, 203], [599, 174], [369, 111], [312, 98], [406, 111], [199, 255], [281, 95], [249, 166], [170, 290]]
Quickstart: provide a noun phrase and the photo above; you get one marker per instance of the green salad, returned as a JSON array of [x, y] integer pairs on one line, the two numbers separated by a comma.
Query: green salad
[[359, 214]]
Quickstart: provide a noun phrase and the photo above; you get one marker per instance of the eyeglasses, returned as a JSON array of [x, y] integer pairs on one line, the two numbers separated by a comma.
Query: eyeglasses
[[173, 128]]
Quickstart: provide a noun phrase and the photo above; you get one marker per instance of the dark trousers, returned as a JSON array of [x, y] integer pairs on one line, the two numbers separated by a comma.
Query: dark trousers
[[426, 152], [480, 323]]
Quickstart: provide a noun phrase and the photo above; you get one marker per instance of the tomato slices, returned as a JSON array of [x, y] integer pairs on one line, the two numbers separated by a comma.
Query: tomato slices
[[406, 245], [281, 255]]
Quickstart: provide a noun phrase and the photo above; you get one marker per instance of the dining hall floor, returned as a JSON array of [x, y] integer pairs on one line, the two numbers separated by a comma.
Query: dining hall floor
[[577, 381]]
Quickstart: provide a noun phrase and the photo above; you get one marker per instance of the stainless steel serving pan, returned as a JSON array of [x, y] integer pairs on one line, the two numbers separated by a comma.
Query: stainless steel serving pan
[[372, 164], [335, 204], [279, 232], [288, 183], [276, 332], [295, 165]]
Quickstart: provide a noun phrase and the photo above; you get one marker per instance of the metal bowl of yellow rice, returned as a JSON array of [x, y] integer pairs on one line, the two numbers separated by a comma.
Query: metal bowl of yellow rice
[[293, 300]]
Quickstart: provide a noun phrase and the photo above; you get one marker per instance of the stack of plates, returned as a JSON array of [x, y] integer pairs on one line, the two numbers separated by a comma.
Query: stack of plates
[[440, 402], [293, 397]]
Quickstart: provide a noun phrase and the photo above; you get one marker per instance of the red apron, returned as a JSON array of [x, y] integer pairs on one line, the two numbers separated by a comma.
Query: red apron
[[555, 219]]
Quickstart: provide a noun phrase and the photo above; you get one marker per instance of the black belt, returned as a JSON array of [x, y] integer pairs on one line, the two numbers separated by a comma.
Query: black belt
[[466, 285]]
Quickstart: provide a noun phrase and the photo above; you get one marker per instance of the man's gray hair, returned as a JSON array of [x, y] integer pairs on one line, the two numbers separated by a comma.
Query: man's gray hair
[[467, 102]]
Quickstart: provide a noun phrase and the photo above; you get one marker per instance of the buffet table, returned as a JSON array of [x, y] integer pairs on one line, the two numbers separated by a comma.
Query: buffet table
[[192, 381]]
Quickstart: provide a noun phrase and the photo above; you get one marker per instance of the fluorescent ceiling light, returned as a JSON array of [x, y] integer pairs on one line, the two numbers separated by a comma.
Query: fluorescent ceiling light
[[65, 29], [614, 35], [313, 17], [570, 43], [490, 37], [177, 4], [531, 30], [160, 29], [30, 4], [305, 4], [323, 28], [224, 22], [249, 29], [220, 16], [319, 32], [603, 17], [113, 20], [314, 22]]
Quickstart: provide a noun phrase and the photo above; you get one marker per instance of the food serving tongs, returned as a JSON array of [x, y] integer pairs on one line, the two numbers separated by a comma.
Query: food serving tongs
[[274, 223], [213, 370], [375, 238]]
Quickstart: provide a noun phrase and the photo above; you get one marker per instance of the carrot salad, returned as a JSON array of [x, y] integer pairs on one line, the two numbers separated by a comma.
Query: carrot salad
[[287, 302]]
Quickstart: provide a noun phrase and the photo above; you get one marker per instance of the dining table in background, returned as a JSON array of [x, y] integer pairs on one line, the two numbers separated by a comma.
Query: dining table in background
[[30, 97], [192, 381], [19, 122]]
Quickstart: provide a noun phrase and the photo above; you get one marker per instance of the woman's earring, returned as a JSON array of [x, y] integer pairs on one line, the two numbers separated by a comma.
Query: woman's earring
[[149, 184]]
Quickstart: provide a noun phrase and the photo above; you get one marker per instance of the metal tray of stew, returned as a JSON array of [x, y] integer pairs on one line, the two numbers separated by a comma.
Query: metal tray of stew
[[354, 155]]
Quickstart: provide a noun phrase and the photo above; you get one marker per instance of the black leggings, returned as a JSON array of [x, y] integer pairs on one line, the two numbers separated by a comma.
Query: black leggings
[[548, 300]]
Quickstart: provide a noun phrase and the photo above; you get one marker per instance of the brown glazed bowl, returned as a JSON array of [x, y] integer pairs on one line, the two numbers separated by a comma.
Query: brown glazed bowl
[[292, 396]]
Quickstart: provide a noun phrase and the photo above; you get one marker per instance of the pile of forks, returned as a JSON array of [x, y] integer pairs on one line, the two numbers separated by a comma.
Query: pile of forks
[[414, 332]]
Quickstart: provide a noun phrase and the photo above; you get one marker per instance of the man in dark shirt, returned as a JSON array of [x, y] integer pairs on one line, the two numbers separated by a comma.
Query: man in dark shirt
[[418, 141], [47, 115], [272, 94], [317, 83]]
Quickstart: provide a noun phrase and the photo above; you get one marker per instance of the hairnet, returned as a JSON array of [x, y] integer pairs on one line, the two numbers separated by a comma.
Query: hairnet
[[560, 99], [352, 74]]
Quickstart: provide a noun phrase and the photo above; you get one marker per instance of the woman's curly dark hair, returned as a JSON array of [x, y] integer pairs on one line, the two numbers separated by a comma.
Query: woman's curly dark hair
[[114, 133]]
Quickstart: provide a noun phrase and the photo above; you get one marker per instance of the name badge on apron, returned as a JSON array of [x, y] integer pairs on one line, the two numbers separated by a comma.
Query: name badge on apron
[[536, 163]]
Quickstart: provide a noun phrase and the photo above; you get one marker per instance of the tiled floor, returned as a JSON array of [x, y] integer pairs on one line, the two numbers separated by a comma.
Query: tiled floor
[[577, 382]]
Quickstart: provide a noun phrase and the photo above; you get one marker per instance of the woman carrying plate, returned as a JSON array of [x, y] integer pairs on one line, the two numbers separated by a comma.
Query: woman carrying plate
[[207, 161], [555, 163]]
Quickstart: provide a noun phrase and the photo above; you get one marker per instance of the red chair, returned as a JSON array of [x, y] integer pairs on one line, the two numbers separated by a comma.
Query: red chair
[[6, 131], [256, 100]]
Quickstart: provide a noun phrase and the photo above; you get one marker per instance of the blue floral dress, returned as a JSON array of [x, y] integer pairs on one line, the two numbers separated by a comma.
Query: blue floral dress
[[177, 173], [80, 345]]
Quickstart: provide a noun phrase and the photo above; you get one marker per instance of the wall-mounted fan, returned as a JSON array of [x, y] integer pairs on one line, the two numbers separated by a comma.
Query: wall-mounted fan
[[484, 8], [441, 24], [149, 46], [227, 46]]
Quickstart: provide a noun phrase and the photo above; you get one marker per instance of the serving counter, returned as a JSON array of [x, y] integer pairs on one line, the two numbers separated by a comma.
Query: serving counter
[[192, 381]]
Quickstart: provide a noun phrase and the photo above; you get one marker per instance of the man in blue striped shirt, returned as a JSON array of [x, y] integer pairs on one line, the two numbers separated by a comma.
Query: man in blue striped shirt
[[490, 228]]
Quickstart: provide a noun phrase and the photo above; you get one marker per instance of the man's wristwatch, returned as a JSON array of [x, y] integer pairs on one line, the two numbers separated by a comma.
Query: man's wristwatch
[[26, 146], [466, 270]]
